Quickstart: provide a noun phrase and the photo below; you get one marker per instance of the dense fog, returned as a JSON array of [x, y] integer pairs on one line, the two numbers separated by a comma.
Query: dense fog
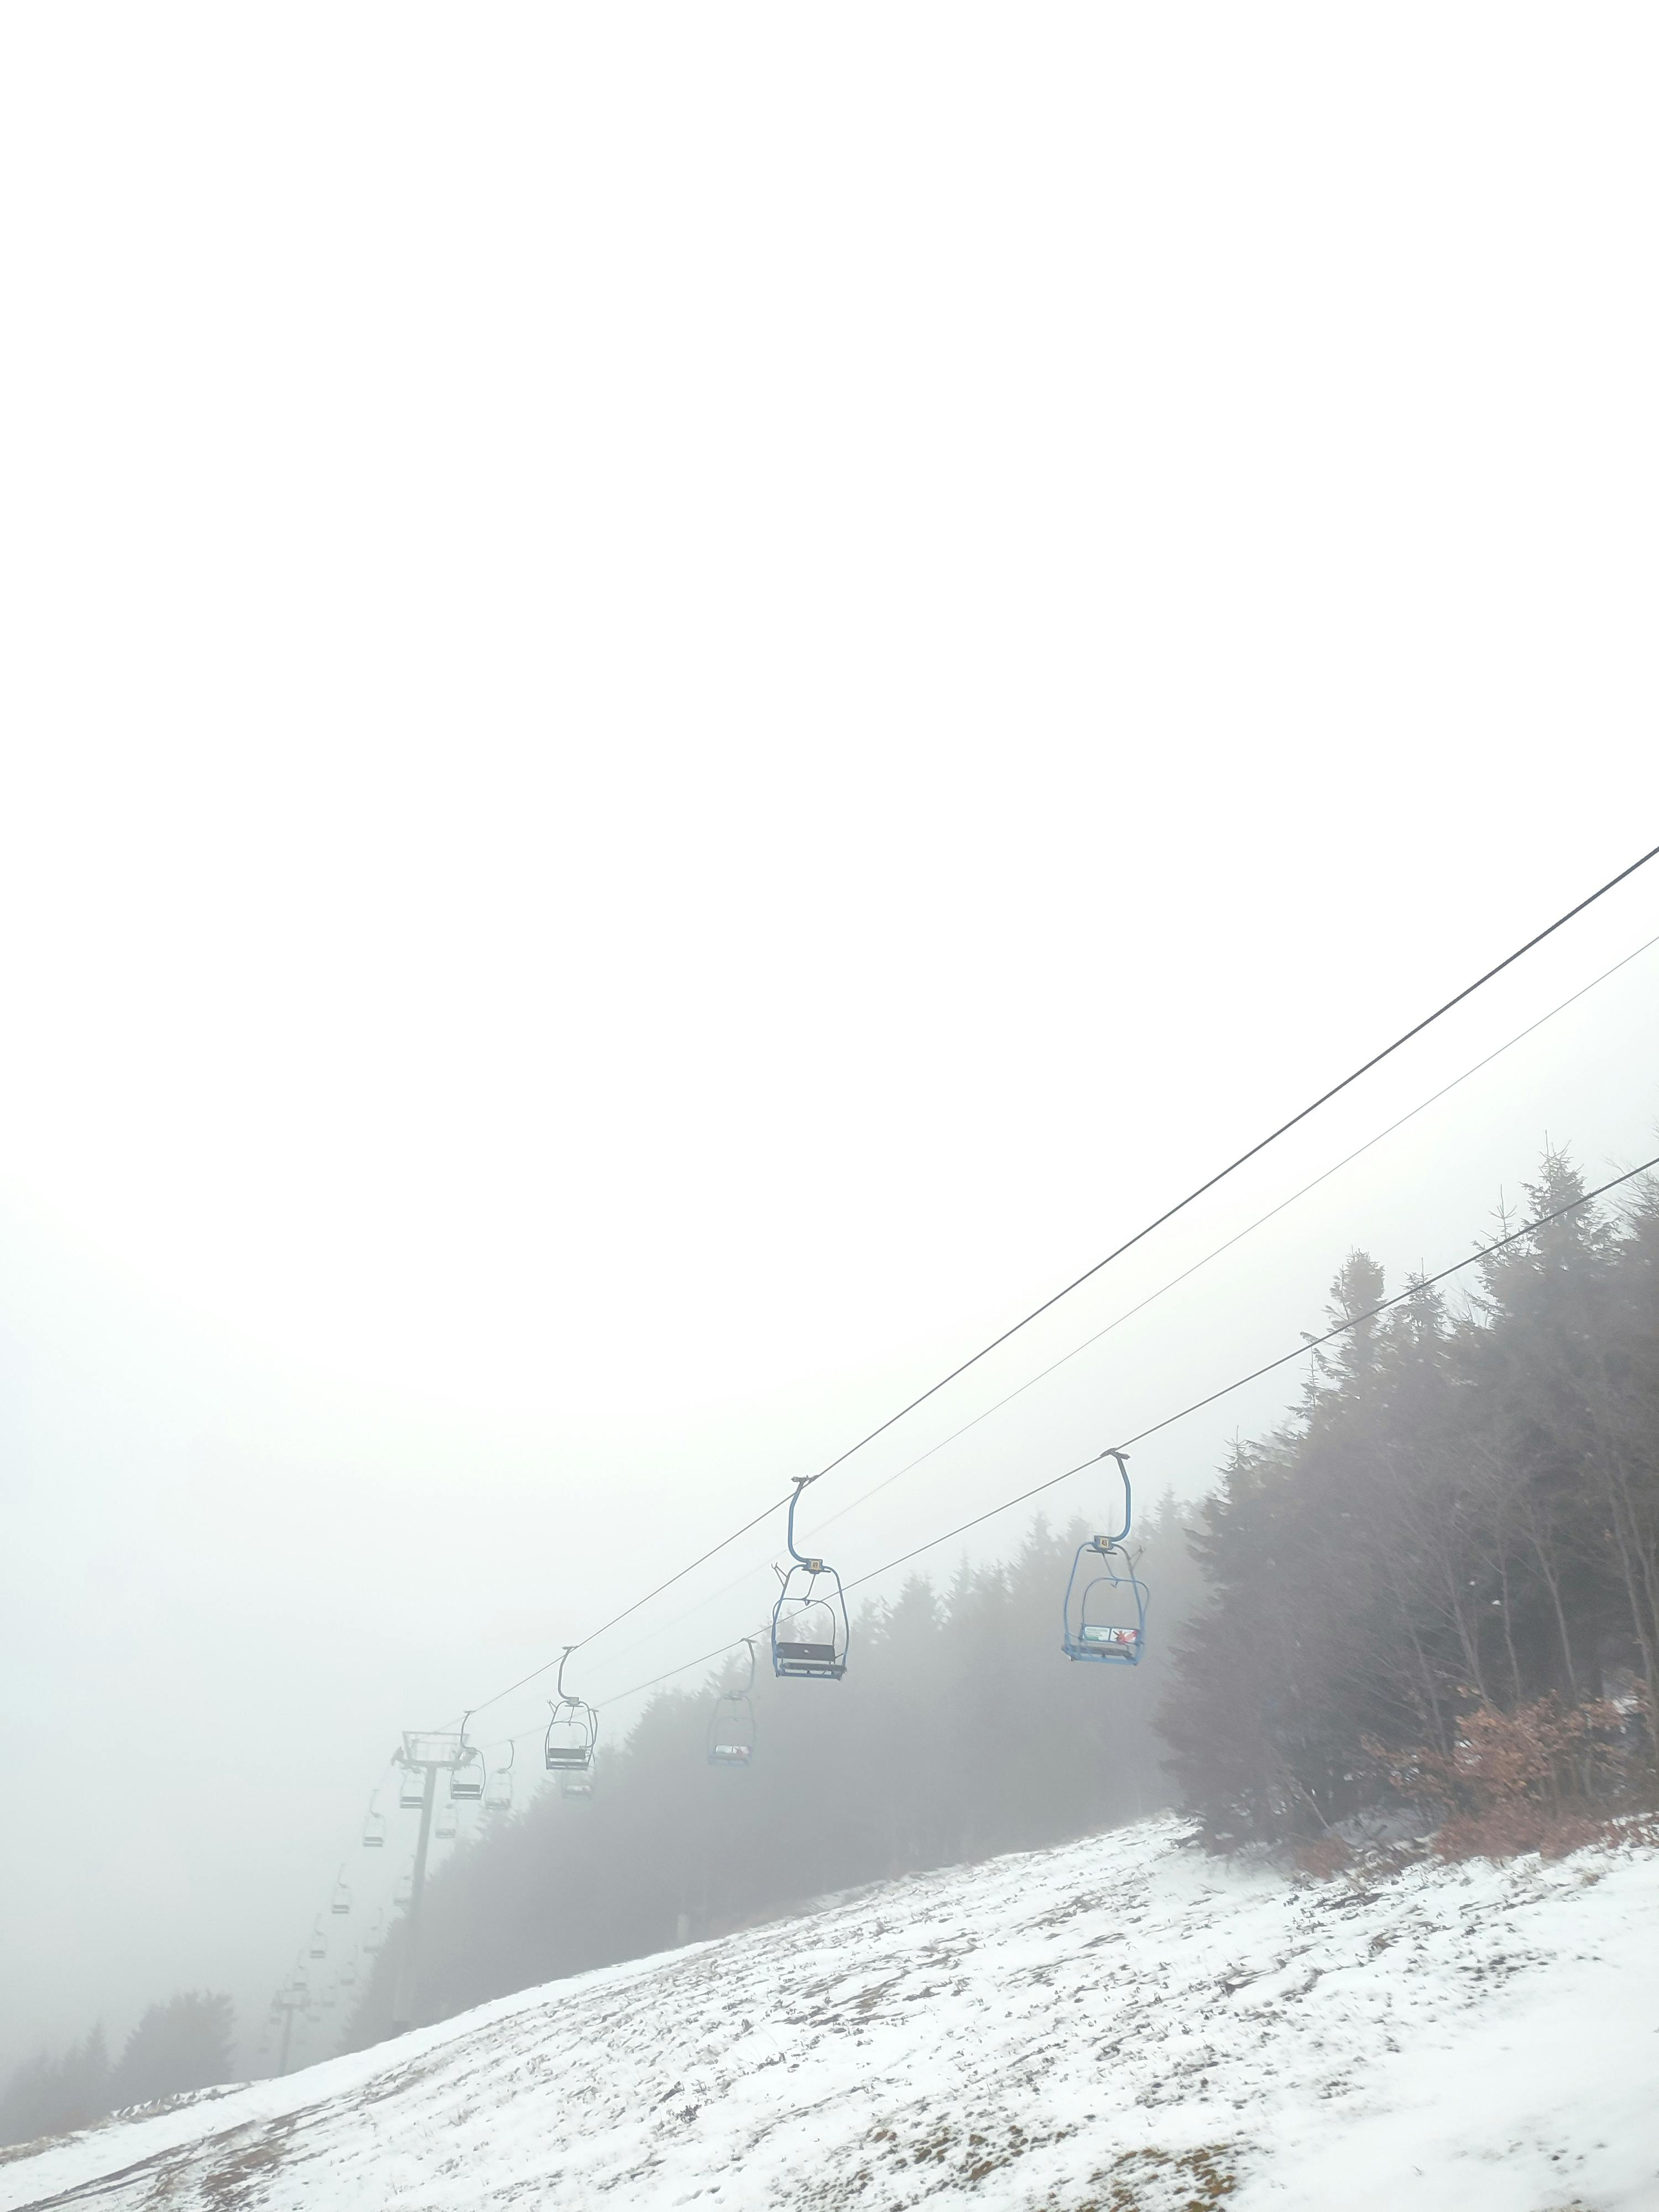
[[695, 706]]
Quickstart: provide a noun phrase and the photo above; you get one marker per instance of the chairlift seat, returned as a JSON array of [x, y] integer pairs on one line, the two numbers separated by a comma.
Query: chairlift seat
[[810, 1654], [734, 1754], [571, 1758], [1094, 1632]]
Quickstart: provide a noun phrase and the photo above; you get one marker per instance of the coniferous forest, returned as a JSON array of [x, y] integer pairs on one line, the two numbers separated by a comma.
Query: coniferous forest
[[1433, 1592], [1439, 1581], [1427, 1602], [958, 1731], [186, 2044]]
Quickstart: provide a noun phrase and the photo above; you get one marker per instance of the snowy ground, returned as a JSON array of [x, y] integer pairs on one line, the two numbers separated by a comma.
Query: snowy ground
[[1119, 2025]]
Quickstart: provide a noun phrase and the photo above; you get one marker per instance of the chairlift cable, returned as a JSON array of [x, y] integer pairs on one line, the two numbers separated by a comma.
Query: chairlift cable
[[1262, 1144], [1174, 1281], [679, 1575], [1307, 1345], [1179, 1206], [1414, 1289], [1261, 1219]]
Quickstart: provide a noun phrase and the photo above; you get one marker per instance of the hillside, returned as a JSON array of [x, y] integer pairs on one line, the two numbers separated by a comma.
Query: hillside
[[1117, 2024]]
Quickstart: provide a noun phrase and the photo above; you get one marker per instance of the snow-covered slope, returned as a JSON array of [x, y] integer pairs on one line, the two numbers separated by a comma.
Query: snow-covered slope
[[1118, 2024]]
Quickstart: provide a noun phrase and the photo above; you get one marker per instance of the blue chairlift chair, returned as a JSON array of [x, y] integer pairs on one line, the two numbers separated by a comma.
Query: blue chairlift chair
[[1105, 1610]]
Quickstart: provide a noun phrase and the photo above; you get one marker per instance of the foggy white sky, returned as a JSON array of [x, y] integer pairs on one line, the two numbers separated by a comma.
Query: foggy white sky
[[692, 698]]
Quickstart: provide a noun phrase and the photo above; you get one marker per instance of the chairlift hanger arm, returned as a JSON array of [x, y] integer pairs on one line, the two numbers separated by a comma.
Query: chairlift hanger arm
[[1122, 1458], [812, 1565]]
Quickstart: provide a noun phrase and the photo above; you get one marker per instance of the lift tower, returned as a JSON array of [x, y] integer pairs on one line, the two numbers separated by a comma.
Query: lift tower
[[292, 1997], [431, 1752]]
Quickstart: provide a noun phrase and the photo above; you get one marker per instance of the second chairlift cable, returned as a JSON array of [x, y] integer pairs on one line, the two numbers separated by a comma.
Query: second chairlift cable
[[1170, 1213]]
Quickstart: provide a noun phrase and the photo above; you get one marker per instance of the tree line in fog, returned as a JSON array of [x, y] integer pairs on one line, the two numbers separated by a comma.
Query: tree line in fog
[[182, 2045], [960, 1729], [1459, 1522], [1460, 1518], [1431, 1592]]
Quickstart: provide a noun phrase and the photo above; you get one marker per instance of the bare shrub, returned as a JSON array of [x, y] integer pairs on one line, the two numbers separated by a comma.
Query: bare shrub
[[1323, 1857], [1515, 1781]]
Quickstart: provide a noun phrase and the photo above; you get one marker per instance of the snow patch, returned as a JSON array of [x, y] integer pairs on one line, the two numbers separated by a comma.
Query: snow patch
[[1117, 2026]]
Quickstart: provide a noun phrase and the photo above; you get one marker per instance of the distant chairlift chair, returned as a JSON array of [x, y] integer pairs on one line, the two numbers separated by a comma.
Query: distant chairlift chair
[[498, 1798], [466, 1777], [730, 1739], [571, 1736]]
